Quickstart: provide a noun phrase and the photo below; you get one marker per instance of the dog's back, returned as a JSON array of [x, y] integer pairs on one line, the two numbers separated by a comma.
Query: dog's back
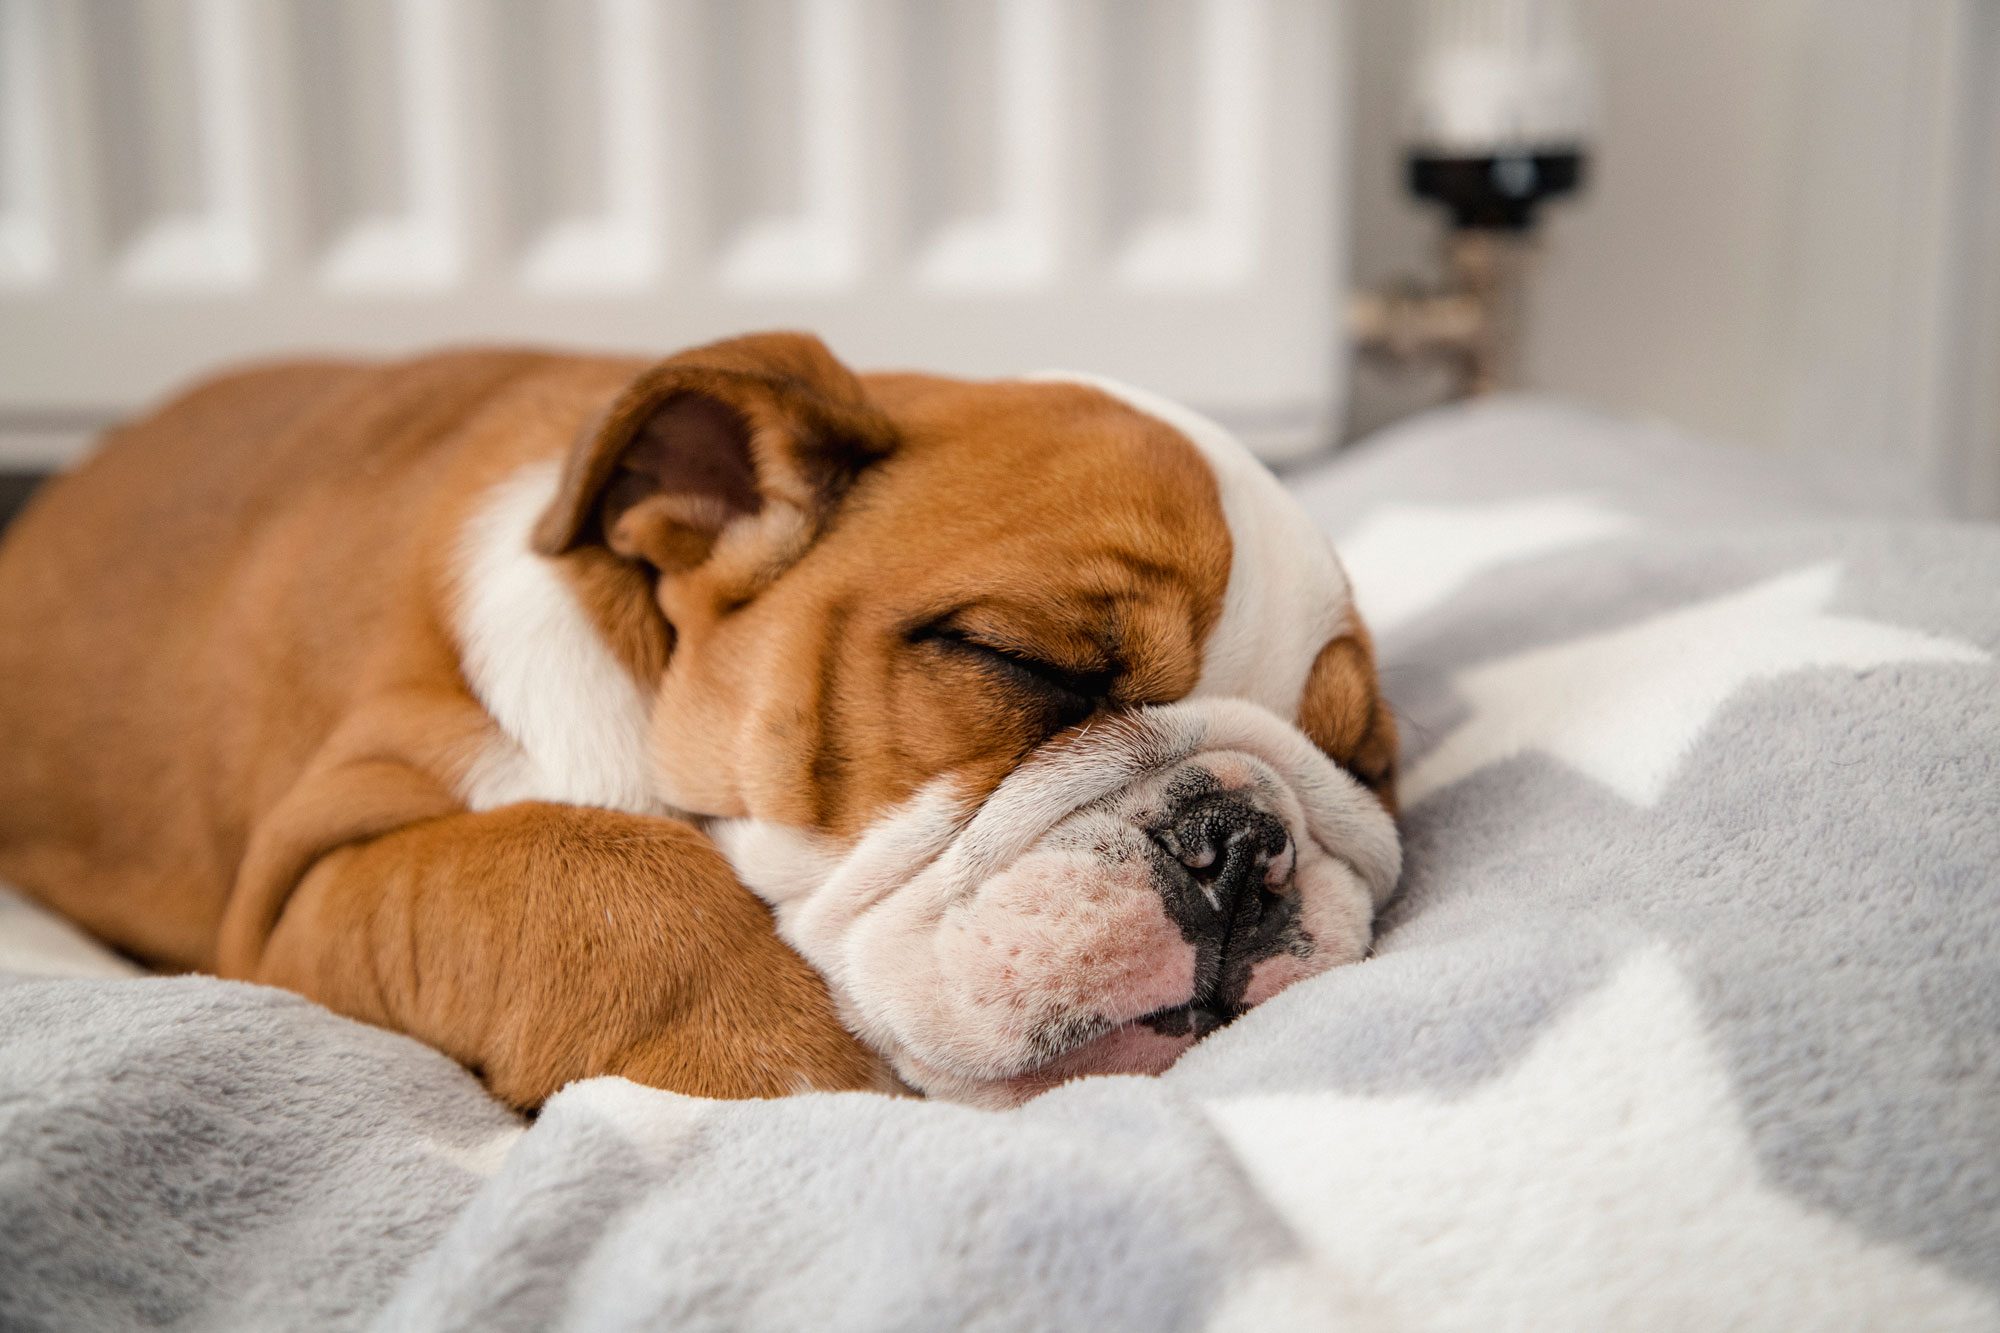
[[143, 642]]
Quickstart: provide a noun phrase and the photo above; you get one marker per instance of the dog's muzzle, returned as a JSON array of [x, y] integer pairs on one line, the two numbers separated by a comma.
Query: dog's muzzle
[[1226, 881], [1129, 888]]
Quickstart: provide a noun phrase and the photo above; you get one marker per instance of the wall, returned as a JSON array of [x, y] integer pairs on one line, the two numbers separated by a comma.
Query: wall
[[1789, 240]]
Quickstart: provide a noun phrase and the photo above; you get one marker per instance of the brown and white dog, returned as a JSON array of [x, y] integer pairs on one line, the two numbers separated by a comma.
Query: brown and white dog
[[466, 694]]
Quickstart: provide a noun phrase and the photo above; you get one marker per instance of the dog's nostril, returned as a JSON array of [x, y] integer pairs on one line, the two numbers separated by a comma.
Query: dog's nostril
[[1226, 843], [1196, 855]]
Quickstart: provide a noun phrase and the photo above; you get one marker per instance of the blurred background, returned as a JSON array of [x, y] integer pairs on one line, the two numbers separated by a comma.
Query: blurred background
[[1773, 222], [1790, 238]]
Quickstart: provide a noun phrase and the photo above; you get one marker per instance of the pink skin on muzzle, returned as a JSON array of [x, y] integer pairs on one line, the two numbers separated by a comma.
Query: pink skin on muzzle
[[991, 951]]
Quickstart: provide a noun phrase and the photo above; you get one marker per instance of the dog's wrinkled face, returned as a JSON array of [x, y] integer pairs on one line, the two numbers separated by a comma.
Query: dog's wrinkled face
[[1037, 711]]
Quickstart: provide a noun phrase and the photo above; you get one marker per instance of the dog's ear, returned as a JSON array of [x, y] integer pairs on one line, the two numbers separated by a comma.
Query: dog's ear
[[719, 466]]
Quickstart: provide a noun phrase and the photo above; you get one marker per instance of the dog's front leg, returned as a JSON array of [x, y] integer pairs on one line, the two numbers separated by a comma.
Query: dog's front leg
[[539, 943]]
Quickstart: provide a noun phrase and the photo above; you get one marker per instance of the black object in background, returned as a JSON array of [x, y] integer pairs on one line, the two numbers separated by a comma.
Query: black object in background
[[1496, 191]]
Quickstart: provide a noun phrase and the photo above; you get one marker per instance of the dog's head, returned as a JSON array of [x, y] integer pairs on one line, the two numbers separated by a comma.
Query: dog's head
[[1035, 708]]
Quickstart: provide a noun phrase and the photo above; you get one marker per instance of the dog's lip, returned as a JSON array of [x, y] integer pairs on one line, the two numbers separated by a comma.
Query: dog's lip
[[1129, 1048], [1178, 1026], [1196, 1018]]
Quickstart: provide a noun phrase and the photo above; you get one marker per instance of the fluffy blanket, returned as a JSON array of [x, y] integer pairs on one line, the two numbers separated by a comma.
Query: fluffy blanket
[[1688, 1014]]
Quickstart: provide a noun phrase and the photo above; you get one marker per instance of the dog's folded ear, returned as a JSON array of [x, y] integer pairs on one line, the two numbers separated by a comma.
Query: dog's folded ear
[[722, 462]]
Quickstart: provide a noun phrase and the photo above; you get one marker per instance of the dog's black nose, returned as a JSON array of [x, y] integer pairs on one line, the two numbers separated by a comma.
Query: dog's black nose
[[1226, 845]]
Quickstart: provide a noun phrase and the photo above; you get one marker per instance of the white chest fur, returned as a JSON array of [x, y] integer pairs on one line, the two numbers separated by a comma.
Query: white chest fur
[[570, 723]]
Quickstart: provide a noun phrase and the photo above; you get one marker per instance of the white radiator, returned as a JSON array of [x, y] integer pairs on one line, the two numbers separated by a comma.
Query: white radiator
[[1146, 188]]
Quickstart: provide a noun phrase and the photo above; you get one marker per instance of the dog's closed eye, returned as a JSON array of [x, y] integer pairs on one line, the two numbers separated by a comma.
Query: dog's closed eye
[[1070, 694]]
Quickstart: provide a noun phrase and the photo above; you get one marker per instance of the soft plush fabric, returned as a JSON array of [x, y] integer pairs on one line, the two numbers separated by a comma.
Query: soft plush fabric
[[1688, 1013]]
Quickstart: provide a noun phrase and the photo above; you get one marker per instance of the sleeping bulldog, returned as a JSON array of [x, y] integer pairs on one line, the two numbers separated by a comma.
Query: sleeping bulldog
[[468, 695]]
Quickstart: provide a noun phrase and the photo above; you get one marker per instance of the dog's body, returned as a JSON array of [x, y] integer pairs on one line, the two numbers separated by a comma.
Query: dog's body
[[437, 691]]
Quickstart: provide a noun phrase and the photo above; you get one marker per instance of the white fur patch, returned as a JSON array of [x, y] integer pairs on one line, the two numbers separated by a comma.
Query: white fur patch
[[777, 862], [1287, 593], [572, 723]]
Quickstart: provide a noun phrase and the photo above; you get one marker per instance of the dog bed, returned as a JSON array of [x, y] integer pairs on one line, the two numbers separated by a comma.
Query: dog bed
[[1687, 1015]]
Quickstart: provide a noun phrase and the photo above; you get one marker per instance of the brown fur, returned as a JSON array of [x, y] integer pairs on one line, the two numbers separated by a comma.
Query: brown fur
[[231, 720], [1046, 517], [233, 726], [1344, 713]]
